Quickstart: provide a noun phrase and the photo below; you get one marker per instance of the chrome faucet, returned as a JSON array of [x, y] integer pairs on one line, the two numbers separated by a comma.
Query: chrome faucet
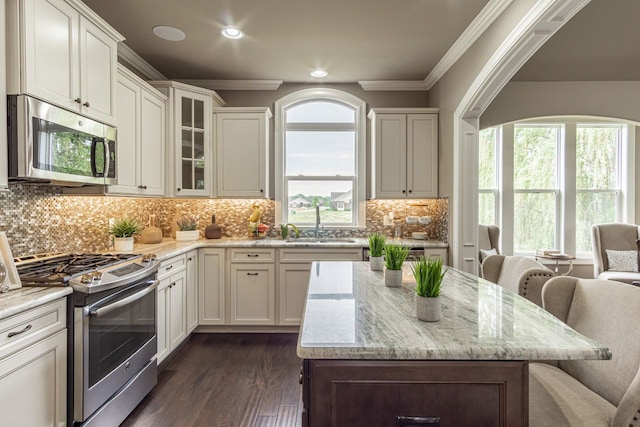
[[317, 235]]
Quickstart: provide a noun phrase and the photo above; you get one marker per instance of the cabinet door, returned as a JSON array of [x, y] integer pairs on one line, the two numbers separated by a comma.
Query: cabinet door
[[98, 72], [192, 144], [128, 135], [437, 253], [293, 282], [152, 144], [162, 298], [211, 287], [33, 384], [390, 155], [252, 294], [177, 315], [51, 63], [192, 291], [422, 155], [241, 154]]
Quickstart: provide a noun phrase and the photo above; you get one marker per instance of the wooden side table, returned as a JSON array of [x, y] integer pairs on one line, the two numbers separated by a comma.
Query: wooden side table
[[557, 259]]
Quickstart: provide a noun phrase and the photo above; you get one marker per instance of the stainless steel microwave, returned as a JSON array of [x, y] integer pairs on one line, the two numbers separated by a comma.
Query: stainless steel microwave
[[51, 145]]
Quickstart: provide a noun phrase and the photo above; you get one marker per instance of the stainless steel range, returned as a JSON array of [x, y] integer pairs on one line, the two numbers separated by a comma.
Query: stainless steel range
[[113, 328]]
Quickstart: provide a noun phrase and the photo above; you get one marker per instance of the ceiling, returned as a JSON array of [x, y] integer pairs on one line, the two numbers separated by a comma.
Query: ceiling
[[353, 40], [599, 44], [361, 40]]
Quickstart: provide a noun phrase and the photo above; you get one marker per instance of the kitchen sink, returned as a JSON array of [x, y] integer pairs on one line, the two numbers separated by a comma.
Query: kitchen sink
[[322, 240]]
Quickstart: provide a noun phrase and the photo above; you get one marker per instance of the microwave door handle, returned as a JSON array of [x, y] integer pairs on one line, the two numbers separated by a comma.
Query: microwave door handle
[[94, 170], [107, 158], [105, 163], [97, 312]]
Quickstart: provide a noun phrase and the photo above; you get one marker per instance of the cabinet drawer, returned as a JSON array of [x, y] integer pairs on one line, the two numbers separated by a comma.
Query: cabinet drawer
[[252, 255], [172, 265], [21, 330], [309, 255]]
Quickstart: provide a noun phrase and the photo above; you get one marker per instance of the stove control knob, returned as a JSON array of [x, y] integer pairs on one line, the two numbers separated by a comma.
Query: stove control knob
[[149, 258]]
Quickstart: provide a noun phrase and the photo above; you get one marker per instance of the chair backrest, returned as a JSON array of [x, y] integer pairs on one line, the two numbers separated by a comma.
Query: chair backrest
[[506, 270], [488, 238], [602, 310], [615, 236]]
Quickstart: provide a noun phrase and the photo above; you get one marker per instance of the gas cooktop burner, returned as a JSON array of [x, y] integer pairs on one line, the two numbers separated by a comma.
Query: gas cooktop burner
[[59, 269]]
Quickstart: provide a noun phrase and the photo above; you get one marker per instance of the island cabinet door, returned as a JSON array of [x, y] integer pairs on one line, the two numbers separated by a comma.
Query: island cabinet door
[[341, 393]]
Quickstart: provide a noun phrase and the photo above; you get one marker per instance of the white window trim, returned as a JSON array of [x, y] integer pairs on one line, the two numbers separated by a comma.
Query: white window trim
[[506, 191], [321, 94]]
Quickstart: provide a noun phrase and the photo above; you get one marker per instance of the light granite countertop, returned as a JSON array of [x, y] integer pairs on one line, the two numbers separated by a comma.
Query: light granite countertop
[[170, 247], [21, 299], [351, 314], [18, 300]]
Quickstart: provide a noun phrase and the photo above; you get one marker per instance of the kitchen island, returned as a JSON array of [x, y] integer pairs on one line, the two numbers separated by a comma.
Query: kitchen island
[[368, 359]]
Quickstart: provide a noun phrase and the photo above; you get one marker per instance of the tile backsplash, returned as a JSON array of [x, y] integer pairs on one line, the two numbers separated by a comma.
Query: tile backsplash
[[40, 219]]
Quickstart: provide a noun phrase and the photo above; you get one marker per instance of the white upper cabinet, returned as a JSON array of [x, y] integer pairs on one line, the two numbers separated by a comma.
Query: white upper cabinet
[[404, 153], [141, 125], [242, 152], [190, 138], [62, 52]]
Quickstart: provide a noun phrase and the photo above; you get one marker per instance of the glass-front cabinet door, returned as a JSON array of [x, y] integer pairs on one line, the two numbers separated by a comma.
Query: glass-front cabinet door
[[194, 147]]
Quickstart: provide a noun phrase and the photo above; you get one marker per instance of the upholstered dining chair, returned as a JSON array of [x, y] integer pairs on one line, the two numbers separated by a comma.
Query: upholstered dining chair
[[488, 241], [615, 252]]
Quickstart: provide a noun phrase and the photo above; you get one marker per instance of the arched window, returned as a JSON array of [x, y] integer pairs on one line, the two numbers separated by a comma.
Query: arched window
[[320, 159]]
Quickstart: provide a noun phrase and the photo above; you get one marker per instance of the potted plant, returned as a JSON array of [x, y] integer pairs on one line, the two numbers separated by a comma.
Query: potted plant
[[395, 254], [428, 274], [123, 230], [187, 228], [376, 251]]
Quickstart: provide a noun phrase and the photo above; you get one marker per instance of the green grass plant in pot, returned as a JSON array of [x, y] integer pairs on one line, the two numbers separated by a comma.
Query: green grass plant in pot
[[187, 228], [394, 256], [376, 251], [428, 274], [123, 230]]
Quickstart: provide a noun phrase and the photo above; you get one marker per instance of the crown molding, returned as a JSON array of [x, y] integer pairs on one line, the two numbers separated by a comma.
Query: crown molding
[[133, 60], [478, 26], [235, 84], [395, 85]]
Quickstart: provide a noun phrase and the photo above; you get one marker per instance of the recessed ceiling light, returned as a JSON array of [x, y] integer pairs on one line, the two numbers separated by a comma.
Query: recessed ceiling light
[[319, 73], [232, 33], [168, 33]]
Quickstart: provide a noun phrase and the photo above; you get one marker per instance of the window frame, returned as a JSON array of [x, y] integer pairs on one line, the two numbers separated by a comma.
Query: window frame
[[359, 179], [566, 192]]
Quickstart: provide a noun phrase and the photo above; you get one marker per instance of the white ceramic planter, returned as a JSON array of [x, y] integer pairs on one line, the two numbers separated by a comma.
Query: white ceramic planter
[[376, 263], [428, 309], [187, 235], [393, 278], [123, 244]]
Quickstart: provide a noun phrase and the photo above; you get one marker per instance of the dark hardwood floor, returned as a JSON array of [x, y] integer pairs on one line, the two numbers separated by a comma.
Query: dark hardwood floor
[[227, 380]]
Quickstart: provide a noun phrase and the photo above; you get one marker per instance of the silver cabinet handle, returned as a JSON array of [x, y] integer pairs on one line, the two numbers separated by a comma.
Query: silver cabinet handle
[[13, 334]]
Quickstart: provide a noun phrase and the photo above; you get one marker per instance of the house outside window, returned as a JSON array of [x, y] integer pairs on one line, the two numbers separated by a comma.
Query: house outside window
[[320, 159], [546, 182]]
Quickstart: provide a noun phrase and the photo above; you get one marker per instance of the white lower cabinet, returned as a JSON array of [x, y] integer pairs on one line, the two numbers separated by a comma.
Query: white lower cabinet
[[171, 297], [435, 253], [293, 278], [33, 367], [191, 284], [211, 286], [293, 282], [253, 299]]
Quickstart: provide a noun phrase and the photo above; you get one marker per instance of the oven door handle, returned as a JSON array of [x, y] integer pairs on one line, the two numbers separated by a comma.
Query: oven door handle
[[97, 312]]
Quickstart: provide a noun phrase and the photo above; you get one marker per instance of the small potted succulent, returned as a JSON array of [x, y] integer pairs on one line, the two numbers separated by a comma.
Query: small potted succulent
[[394, 256], [187, 228], [376, 251], [428, 274], [123, 230]]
